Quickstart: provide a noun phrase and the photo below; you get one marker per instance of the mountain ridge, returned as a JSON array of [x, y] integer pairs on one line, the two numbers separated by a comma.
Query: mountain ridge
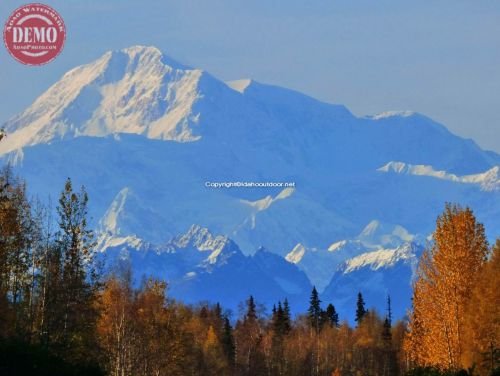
[[152, 94], [145, 134]]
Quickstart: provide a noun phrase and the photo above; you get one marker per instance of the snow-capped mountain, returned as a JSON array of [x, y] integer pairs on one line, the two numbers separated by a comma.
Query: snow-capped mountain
[[137, 90], [489, 180], [320, 264], [376, 274], [199, 266], [388, 235], [149, 137]]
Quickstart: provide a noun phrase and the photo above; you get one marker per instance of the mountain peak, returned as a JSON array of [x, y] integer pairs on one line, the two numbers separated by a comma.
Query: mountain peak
[[142, 50], [109, 223], [136, 90], [382, 258], [197, 237], [320, 263], [151, 54]]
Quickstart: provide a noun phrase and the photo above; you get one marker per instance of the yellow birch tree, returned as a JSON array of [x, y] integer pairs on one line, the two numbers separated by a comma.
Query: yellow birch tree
[[446, 275]]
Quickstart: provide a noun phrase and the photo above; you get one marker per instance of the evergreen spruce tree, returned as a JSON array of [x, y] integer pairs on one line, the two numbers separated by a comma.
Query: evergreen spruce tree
[[360, 309], [218, 320], [251, 314], [314, 311], [287, 321], [386, 331], [278, 334], [249, 335], [204, 313], [332, 317], [279, 321], [387, 326], [390, 363], [389, 309], [228, 342]]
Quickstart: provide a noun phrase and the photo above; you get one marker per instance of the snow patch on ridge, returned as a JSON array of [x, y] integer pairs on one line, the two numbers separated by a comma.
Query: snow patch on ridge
[[379, 234], [337, 246], [239, 85], [126, 242], [296, 254], [200, 238], [382, 258], [389, 114], [488, 180], [109, 222], [16, 157], [198, 241], [267, 201], [320, 264]]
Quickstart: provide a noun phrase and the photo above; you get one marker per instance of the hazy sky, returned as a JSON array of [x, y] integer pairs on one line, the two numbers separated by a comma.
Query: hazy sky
[[441, 58]]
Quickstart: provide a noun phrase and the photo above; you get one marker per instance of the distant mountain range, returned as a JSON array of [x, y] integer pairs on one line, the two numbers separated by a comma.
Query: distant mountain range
[[145, 134]]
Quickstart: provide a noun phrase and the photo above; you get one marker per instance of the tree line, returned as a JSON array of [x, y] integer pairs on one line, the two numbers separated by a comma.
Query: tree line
[[61, 315]]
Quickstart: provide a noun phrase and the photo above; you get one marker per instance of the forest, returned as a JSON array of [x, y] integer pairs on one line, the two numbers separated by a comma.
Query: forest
[[61, 314]]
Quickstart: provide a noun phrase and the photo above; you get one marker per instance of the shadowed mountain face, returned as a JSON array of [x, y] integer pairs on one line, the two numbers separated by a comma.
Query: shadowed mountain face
[[202, 267], [146, 134]]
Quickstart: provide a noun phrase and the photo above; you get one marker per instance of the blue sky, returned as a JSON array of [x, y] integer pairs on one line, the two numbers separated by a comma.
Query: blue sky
[[441, 58]]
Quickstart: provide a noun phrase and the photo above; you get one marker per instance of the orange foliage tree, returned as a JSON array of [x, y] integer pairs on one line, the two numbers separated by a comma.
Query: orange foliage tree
[[446, 275]]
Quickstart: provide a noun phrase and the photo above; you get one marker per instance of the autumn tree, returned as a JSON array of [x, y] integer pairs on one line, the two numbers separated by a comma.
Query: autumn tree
[[161, 344], [55, 310], [116, 328], [16, 229], [280, 328], [59, 283], [336, 372], [213, 354], [249, 336], [367, 344], [74, 307], [482, 319], [47, 294], [446, 275]]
